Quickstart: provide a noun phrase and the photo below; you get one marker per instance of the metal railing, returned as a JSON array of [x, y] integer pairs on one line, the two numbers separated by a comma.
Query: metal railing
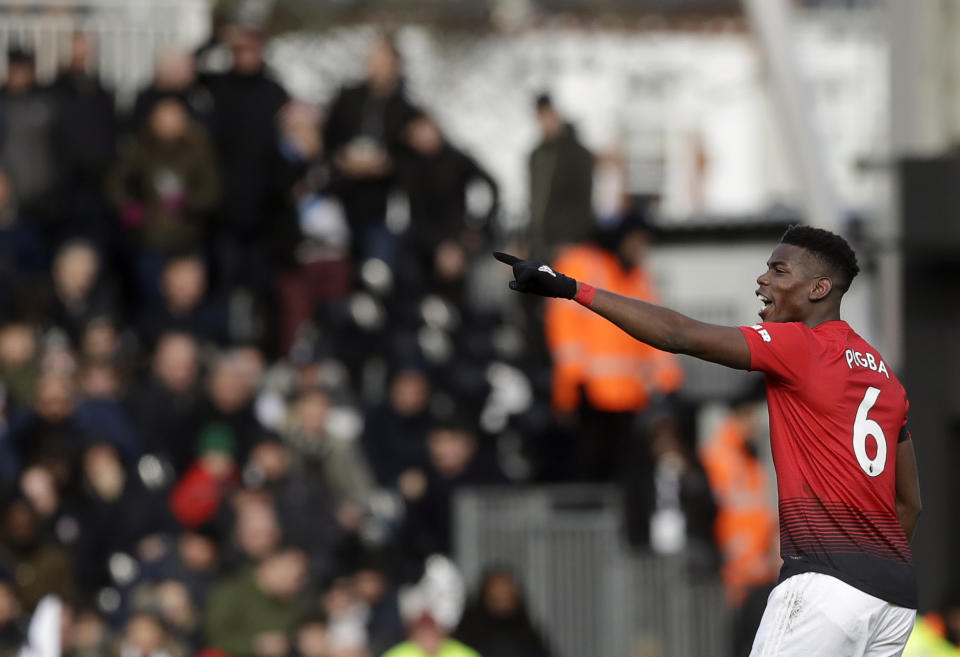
[[589, 594], [129, 35]]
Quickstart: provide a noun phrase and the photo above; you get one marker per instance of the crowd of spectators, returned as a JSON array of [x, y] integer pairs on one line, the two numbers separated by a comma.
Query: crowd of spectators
[[250, 349]]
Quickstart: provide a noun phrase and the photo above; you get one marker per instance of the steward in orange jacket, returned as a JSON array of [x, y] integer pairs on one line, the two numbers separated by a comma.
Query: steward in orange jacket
[[746, 524], [616, 372], [602, 378]]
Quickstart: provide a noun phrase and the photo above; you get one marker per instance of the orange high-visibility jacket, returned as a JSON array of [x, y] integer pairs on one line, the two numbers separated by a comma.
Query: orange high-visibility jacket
[[617, 372], [746, 522]]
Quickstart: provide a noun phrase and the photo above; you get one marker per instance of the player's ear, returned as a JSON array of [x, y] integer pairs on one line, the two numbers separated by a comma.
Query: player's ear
[[821, 288]]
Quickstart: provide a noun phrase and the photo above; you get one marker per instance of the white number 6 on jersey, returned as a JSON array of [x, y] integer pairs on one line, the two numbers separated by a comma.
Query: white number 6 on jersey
[[863, 427]]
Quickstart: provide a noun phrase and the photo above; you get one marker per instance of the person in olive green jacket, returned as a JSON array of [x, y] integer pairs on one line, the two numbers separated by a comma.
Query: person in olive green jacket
[[166, 186], [253, 613], [561, 186]]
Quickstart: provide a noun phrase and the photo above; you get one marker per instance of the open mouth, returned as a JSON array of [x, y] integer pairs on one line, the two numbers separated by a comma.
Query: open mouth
[[765, 303]]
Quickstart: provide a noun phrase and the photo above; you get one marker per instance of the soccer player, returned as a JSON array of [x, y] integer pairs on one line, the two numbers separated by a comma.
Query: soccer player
[[846, 471]]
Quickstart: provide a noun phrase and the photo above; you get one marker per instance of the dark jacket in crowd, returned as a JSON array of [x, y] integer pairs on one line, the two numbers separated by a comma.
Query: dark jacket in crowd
[[74, 315], [37, 439], [394, 442], [496, 636], [166, 190], [561, 194], [357, 114], [429, 522], [108, 527], [27, 150], [107, 420], [85, 133], [167, 422], [40, 566], [245, 135], [208, 322], [436, 187]]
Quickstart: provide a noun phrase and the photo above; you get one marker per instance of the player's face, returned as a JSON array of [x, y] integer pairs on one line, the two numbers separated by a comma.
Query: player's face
[[785, 286]]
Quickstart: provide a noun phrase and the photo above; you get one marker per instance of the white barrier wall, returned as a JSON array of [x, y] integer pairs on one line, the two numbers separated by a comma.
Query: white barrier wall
[[689, 110]]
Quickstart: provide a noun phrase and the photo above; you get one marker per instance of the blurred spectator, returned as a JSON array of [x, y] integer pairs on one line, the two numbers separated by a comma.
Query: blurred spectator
[[166, 408], [82, 291], [561, 186], [444, 229], [256, 529], [85, 140], [185, 304], [101, 342], [296, 495], [373, 584], [146, 635], [100, 413], [164, 189], [431, 610], [303, 173], [191, 559], [332, 453], [23, 255], [252, 613], [668, 501], [313, 237], [601, 375], [362, 134], [113, 513], [40, 566], [85, 633], [171, 602], [245, 105], [310, 636], [199, 496], [395, 435], [175, 76], [49, 432], [496, 623], [428, 493], [346, 617], [19, 362], [27, 150], [13, 626], [746, 524], [231, 388], [39, 487]]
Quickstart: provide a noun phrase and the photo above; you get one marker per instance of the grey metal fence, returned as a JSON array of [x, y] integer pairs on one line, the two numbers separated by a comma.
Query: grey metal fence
[[588, 592], [129, 34]]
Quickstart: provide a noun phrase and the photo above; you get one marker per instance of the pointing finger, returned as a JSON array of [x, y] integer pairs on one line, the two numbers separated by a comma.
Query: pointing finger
[[506, 258]]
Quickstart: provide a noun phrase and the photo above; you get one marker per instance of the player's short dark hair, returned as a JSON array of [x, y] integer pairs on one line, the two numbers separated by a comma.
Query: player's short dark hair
[[829, 248], [543, 101]]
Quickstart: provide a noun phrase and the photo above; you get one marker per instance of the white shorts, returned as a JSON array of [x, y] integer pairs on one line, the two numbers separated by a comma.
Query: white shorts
[[816, 615]]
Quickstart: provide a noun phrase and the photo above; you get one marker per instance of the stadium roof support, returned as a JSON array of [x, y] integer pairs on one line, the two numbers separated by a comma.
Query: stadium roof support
[[773, 24]]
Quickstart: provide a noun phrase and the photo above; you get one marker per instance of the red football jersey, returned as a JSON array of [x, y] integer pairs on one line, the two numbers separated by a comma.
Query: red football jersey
[[837, 413]]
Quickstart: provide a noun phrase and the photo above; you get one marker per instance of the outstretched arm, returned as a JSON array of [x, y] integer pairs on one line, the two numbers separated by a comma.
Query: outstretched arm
[[671, 331], [655, 325], [908, 488]]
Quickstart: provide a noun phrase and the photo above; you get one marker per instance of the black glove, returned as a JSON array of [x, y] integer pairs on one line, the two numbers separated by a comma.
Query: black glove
[[538, 278]]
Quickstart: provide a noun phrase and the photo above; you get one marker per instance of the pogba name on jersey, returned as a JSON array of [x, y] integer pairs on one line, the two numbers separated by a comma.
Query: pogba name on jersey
[[867, 360]]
